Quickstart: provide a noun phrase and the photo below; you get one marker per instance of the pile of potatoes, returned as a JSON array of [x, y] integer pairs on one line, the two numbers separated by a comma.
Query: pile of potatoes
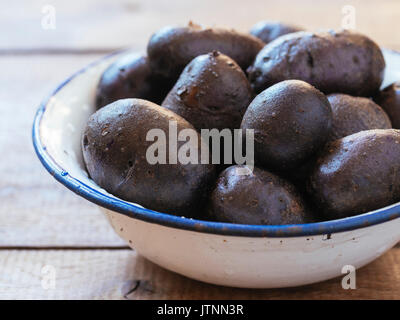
[[325, 137]]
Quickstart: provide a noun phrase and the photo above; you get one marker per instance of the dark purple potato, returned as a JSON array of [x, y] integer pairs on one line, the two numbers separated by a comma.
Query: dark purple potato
[[355, 114], [172, 48], [115, 150], [357, 174], [212, 92], [291, 121], [258, 197], [345, 62], [389, 100], [300, 175], [130, 77], [270, 30]]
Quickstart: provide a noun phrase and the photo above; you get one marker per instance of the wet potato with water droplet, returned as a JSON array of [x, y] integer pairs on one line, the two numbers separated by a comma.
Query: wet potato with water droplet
[[115, 148], [357, 174], [212, 92], [172, 48], [291, 122], [258, 197], [354, 114], [333, 62], [268, 31], [130, 76], [389, 100]]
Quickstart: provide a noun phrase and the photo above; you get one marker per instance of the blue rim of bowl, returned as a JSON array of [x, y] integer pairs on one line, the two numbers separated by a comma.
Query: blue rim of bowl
[[96, 196]]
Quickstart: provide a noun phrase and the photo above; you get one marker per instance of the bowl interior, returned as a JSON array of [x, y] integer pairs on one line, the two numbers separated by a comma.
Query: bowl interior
[[60, 122], [65, 117]]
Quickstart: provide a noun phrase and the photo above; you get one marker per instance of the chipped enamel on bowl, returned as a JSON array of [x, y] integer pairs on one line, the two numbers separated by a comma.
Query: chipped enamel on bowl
[[220, 253]]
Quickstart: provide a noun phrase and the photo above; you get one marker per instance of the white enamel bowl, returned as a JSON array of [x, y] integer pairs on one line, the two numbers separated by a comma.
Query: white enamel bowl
[[219, 253]]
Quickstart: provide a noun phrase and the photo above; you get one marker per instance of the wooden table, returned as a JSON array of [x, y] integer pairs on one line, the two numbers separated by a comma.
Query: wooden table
[[42, 223]]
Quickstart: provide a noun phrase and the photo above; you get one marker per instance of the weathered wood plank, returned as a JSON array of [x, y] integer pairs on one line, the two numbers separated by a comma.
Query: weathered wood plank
[[122, 274], [35, 209], [107, 24]]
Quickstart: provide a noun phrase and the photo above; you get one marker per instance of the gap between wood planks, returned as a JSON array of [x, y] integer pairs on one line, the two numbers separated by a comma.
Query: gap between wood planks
[[56, 51], [36, 248]]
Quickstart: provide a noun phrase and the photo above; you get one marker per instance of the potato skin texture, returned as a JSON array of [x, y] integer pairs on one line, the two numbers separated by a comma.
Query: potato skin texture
[[357, 174], [389, 100], [212, 92], [355, 114], [291, 121], [268, 31], [114, 149], [259, 198], [333, 62], [172, 48], [130, 77]]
